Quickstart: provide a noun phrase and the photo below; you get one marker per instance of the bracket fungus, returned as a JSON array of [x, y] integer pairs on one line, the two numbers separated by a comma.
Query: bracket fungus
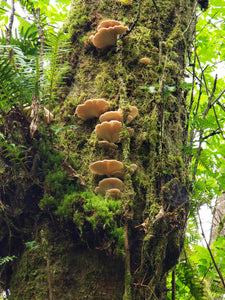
[[111, 116], [114, 193], [109, 167], [133, 168], [107, 33], [109, 131], [107, 184], [117, 115], [92, 108], [132, 114]]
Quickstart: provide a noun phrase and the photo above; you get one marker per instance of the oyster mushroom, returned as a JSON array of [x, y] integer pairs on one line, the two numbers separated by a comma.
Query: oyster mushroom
[[107, 33], [108, 167], [92, 108]]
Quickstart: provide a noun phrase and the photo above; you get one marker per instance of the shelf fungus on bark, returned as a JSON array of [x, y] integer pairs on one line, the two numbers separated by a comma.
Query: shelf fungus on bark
[[133, 168], [108, 167], [117, 115], [107, 33], [92, 108], [109, 131], [107, 184]]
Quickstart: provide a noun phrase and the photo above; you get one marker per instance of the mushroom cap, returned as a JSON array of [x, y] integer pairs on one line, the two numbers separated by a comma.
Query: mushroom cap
[[111, 115], [92, 108], [114, 193], [106, 37], [133, 168], [132, 114], [131, 131], [145, 60], [109, 131], [109, 167], [108, 184], [107, 24]]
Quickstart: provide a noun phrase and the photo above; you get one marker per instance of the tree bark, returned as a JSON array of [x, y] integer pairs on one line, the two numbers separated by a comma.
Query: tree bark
[[217, 227], [155, 200]]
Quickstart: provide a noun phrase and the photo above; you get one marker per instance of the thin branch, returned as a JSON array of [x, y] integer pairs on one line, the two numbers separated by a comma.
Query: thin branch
[[193, 17], [221, 105], [210, 252], [134, 23], [156, 7], [11, 19], [203, 75], [211, 134], [218, 97], [217, 121]]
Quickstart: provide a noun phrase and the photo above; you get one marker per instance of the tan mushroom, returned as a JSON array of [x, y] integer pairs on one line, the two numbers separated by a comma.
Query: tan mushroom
[[92, 108], [145, 60], [107, 33], [107, 24], [133, 168], [108, 167], [132, 114], [118, 115], [109, 131], [131, 131], [108, 184], [114, 194], [111, 115]]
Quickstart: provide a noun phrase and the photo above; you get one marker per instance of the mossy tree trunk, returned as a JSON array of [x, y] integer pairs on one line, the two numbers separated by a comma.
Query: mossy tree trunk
[[74, 259]]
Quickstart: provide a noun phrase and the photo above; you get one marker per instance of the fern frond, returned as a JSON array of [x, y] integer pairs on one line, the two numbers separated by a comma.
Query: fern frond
[[56, 47], [16, 77], [190, 277]]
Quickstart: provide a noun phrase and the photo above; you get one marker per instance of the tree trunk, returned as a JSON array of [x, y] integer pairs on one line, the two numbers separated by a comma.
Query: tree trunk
[[75, 259], [217, 227]]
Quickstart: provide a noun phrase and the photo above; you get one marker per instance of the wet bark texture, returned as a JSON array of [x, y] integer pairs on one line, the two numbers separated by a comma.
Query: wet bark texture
[[154, 205], [218, 228]]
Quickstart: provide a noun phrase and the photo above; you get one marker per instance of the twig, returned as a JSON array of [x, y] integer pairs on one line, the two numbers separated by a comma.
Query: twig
[[193, 17], [11, 19], [217, 121], [209, 105], [156, 7], [210, 252], [134, 23], [221, 105], [218, 97], [211, 134], [203, 75]]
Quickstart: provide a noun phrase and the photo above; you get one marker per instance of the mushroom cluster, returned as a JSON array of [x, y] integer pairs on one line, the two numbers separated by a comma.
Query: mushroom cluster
[[107, 33], [109, 130]]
